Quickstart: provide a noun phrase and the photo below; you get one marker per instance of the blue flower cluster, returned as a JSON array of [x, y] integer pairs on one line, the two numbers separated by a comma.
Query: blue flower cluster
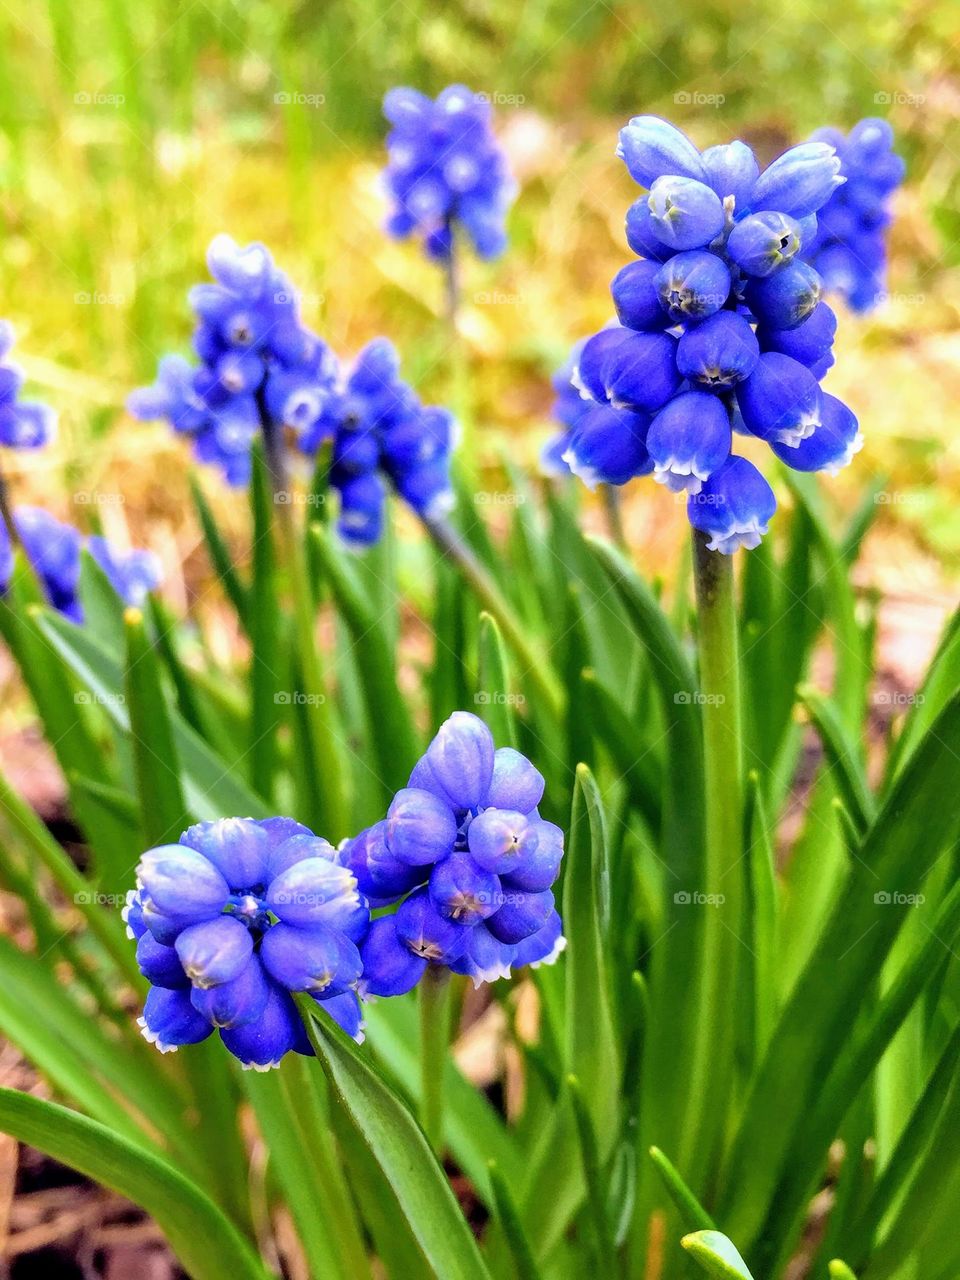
[[261, 367], [380, 429], [465, 853], [258, 363], [849, 249], [445, 171], [53, 549], [24, 424], [233, 919], [721, 329]]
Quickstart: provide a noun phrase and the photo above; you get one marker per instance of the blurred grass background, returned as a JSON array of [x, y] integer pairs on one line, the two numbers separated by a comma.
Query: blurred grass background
[[131, 134]]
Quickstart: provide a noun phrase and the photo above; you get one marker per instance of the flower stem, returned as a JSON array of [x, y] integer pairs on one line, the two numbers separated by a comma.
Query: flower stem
[[329, 773], [434, 999], [6, 511], [610, 495], [719, 660], [451, 276], [453, 547]]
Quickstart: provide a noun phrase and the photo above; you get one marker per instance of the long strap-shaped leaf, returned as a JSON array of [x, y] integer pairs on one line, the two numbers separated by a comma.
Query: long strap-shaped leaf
[[717, 1255], [853, 944], [402, 1152], [204, 1240]]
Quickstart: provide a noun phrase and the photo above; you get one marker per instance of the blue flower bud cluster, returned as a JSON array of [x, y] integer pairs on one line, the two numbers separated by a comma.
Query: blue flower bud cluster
[[380, 430], [245, 913], [464, 853], [445, 171], [24, 424], [849, 249], [53, 550], [721, 329], [256, 359], [231, 921], [261, 367]]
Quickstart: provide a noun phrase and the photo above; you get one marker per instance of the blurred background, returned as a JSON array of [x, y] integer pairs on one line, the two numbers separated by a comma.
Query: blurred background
[[131, 134]]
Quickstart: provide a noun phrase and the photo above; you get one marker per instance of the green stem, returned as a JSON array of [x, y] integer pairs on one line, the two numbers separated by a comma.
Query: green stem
[[610, 495], [537, 670], [329, 780], [6, 511], [719, 661], [451, 280], [434, 1000]]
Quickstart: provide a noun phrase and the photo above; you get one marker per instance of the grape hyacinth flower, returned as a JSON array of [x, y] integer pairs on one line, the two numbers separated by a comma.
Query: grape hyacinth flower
[[258, 363], [53, 551], [231, 921], [849, 249], [24, 424], [381, 431], [721, 329], [446, 172], [464, 852]]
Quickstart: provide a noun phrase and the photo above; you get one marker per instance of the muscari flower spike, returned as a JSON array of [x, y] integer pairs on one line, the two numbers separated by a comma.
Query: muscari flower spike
[[53, 549], [254, 352], [231, 921], [849, 249], [382, 433], [721, 329], [24, 424], [464, 853], [445, 171]]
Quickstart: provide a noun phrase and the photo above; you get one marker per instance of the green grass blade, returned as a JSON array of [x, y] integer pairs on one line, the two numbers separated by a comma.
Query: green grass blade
[[494, 697], [204, 1240], [511, 1225], [843, 756], [401, 1150], [691, 1210], [717, 1255], [237, 593]]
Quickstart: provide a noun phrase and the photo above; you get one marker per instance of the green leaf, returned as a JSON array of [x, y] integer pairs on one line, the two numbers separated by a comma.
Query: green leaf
[[630, 748], [495, 699], [220, 557], [850, 951], [266, 630], [843, 756], [401, 1151], [392, 736], [717, 1255], [211, 788], [305, 1167], [204, 1240], [555, 1185], [511, 1225], [593, 1176], [840, 1271], [691, 1210], [163, 813], [762, 921]]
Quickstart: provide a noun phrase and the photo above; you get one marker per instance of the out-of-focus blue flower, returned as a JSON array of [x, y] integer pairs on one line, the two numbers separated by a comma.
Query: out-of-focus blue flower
[[24, 424], [380, 429], [53, 550], [231, 921], [465, 853], [721, 326], [256, 359], [849, 249], [446, 172]]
